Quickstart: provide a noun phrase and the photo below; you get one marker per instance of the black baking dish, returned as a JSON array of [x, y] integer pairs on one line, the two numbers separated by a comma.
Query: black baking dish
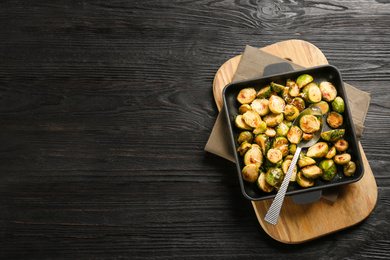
[[321, 73]]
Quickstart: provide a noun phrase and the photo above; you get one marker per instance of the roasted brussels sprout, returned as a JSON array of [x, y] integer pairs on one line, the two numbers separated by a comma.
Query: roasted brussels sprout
[[318, 150], [342, 159], [311, 172], [262, 183], [328, 91], [244, 108], [276, 87], [349, 169], [294, 134], [276, 104], [281, 143], [273, 120], [333, 135], [331, 153], [268, 164], [254, 156], [328, 168], [263, 141], [323, 105], [293, 89], [243, 148], [250, 173], [305, 161], [312, 93], [240, 123], [338, 105], [264, 92], [274, 177], [290, 112], [245, 136], [292, 148], [309, 124], [260, 128], [307, 136], [286, 96], [341, 145], [260, 106], [270, 132], [282, 129], [334, 119], [285, 165], [246, 95], [298, 103], [303, 181], [274, 155], [251, 118], [303, 80]]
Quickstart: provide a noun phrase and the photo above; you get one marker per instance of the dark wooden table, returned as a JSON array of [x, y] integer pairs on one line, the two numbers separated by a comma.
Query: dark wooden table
[[106, 106]]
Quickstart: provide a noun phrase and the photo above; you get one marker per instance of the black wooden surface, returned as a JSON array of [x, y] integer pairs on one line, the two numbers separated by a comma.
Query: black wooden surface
[[106, 106]]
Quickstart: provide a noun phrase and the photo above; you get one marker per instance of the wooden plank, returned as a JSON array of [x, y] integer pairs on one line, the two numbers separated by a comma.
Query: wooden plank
[[301, 223]]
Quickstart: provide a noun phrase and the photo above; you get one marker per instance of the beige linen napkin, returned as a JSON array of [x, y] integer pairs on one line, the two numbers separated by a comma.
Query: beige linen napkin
[[252, 65]]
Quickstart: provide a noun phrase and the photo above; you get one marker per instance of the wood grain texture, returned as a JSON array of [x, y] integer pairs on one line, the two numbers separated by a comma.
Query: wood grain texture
[[106, 106], [302, 223]]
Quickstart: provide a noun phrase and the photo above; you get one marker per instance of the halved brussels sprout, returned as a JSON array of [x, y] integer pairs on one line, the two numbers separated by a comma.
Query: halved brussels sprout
[[303, 181], [260, 106], [341, 145], [281, 143], [338, 105], [274, 177], [290, 112], [303, 80], [294, 134], [245, 136], [292, 148], [246, 95], [272, 119], [240, 123], [323, 105], [298, 103], [282, 129], [334, 119], [264, 92], [268, 164], [342, 159], [328, 91], [293, 88], [311, 172], [250, 173], [307, 136], [270, 132], [331, 153], [243, 148], [318, 150], [262, 183], [254, 156], [276, 87], [260, 128], [349, 169], [274, 155], [263, 141], [243, 108], [276, 104], [251, 118], [286, 96], [312, 93], [309, 124], [333, 135], [285, 165], [305, 161], [328, 168], [289, 157]]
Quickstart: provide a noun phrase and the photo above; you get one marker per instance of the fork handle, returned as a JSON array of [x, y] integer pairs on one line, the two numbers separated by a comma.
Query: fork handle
[[274, 211]]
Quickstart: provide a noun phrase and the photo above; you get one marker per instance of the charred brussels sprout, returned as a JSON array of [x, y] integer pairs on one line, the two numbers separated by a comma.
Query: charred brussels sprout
[[281, 144], [342, 159], [323, 105], [311, 172], [334, 119], [293, 89], [264, 92], [274, 155], [341, 145], [305, 161], [276, 104], [263, 141], [309, 124], [246, 95], [285, 165], [270, 132], [328, 168], [318, 150], [262, 184], [338, 105], [240, 123], [303, 181], [294, 134], [328, 91], [333, 135], [260, 128], [298, 103], [254, 156], [260, 106], [307, 136], [243, 148], [274, 177], [250, 173], [244, 108], [251, 118], [245, 136], [273, 120], [349, 169], [276, 87], [290, 112], [303, 80], [286, 96], [331, 153]]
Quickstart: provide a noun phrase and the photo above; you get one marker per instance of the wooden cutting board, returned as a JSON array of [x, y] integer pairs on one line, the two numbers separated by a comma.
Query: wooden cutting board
[[301, 223]]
